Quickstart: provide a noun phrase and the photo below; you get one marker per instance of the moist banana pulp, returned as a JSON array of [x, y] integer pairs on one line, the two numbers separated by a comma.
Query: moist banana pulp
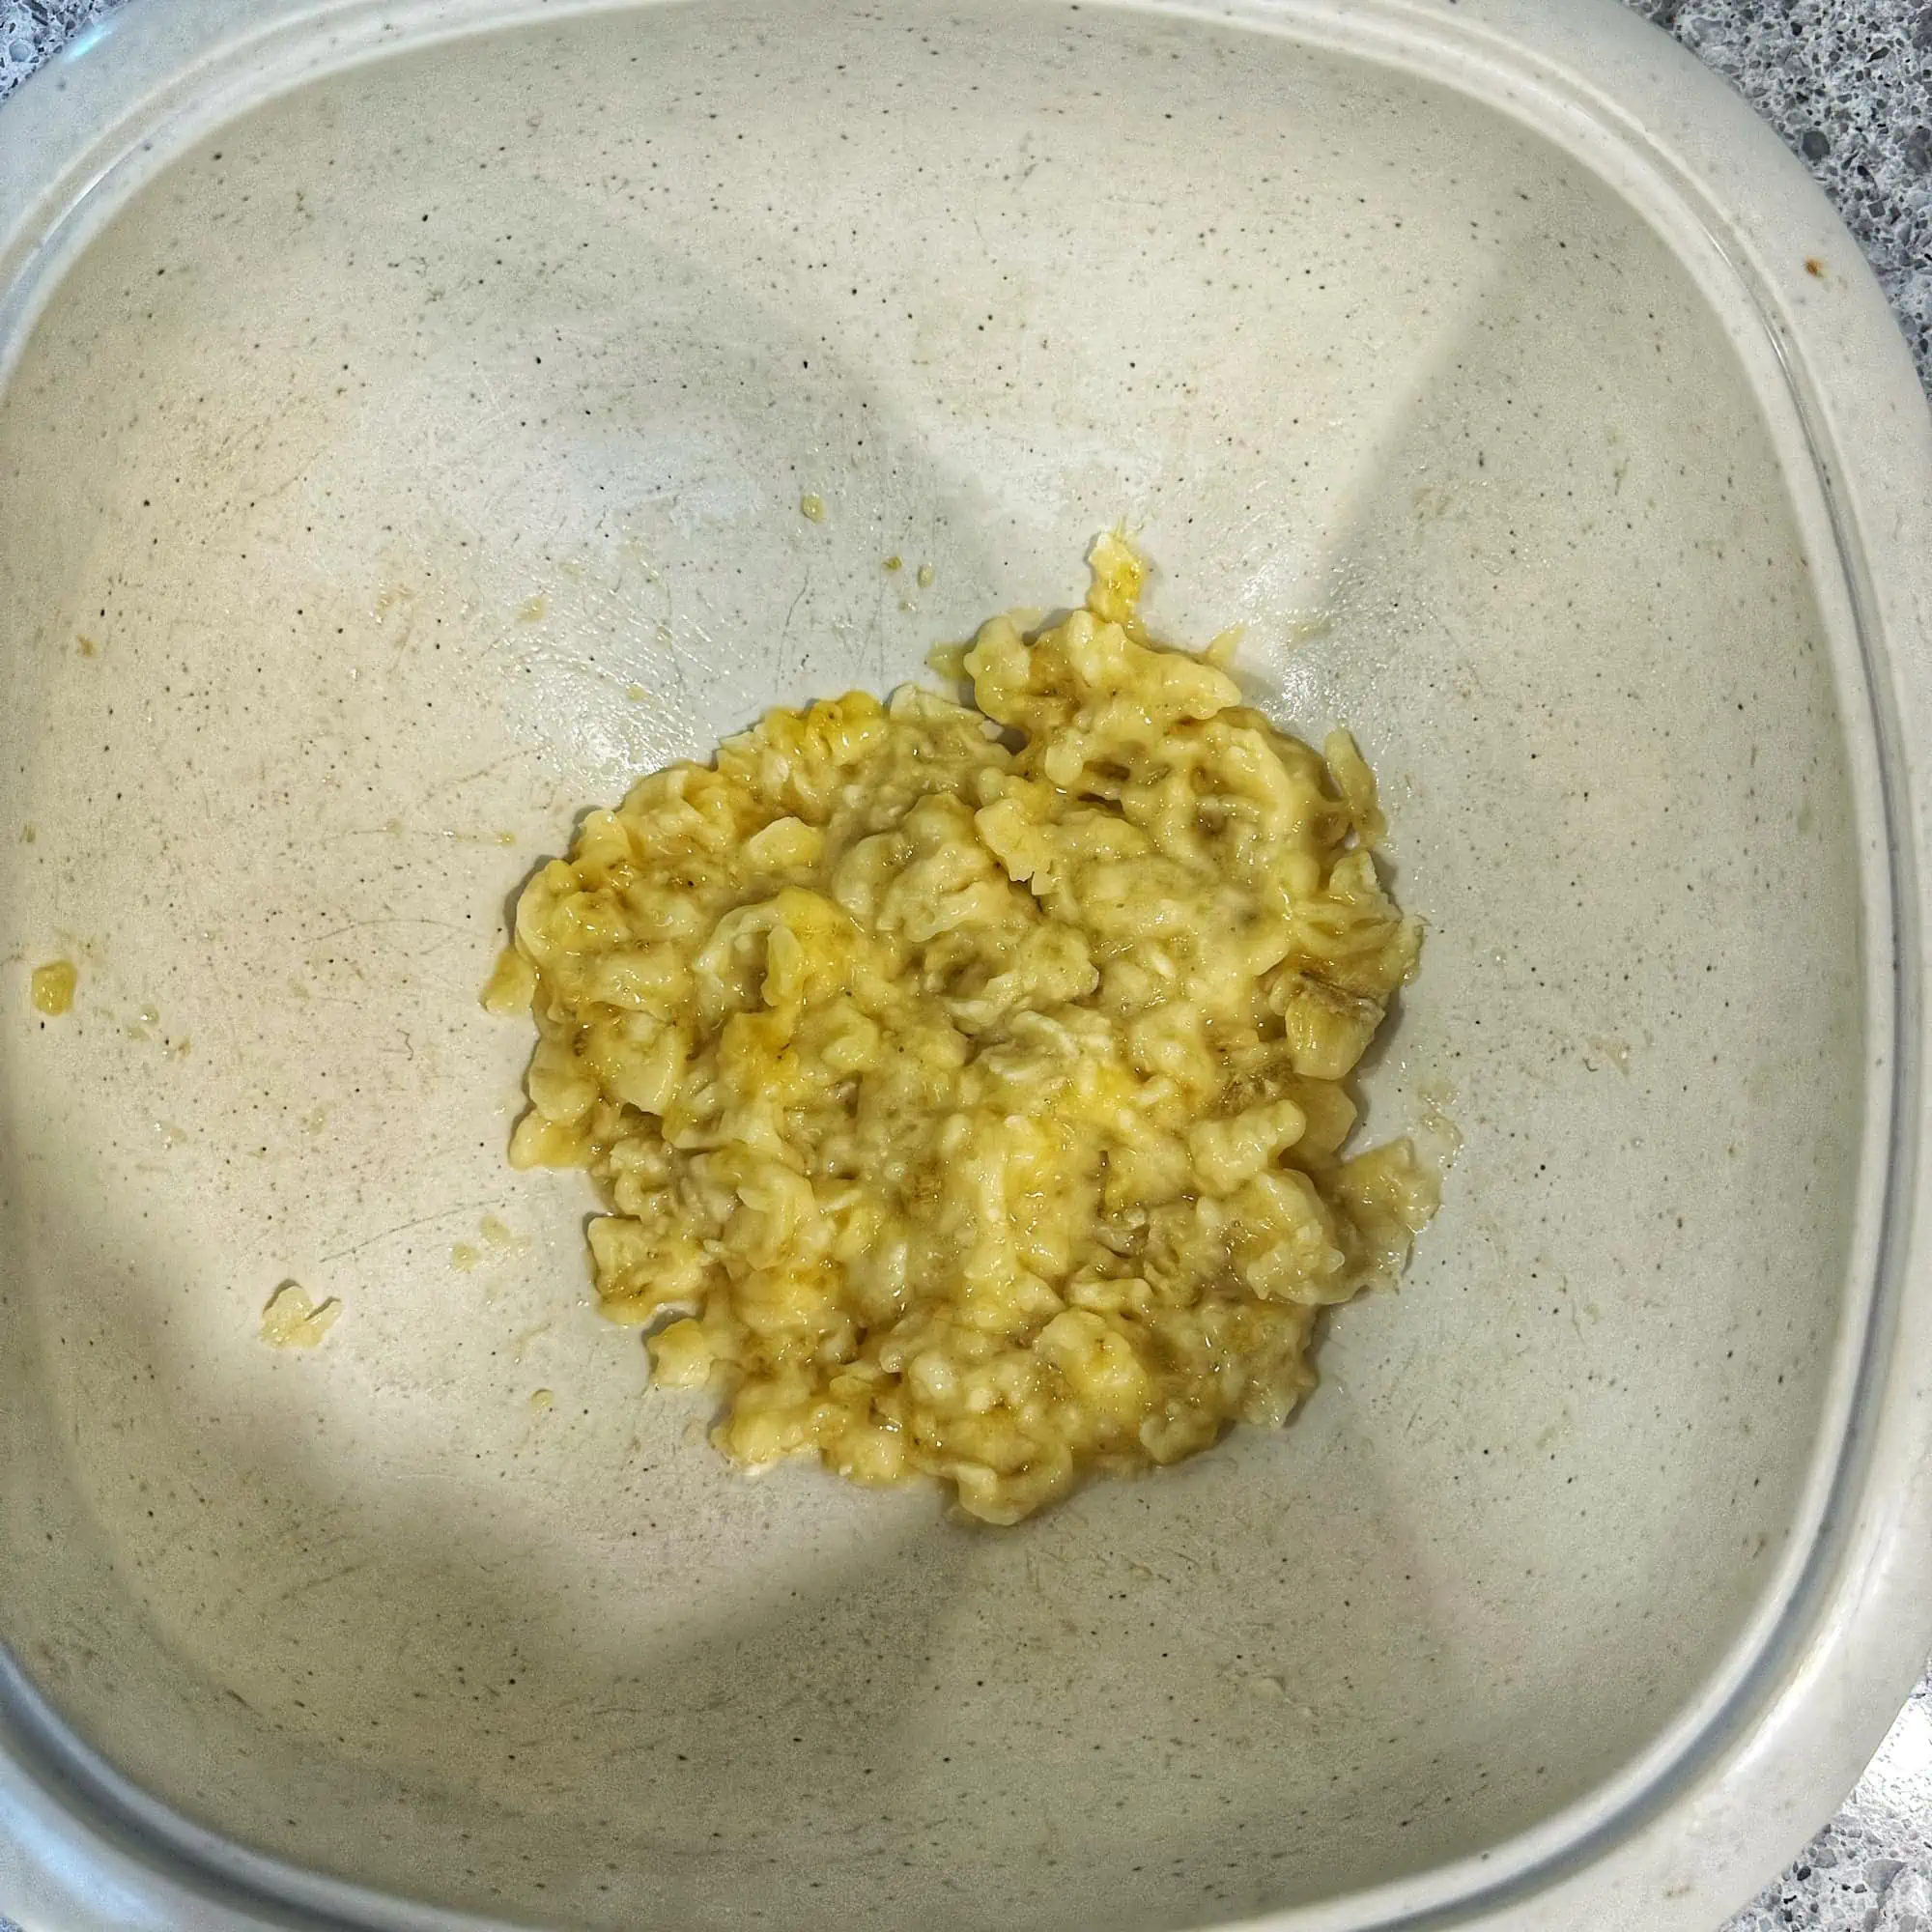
[[970, 1085]]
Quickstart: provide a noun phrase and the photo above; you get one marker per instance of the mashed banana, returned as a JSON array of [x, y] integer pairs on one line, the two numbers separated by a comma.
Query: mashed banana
[[971, 1084]]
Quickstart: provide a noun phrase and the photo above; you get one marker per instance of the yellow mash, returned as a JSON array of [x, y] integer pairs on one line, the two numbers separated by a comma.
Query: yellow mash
[[51, 987], [972, 1084]]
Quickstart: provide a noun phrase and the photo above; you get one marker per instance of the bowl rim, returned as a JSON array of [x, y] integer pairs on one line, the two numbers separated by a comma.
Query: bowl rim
[[1785, 1725]]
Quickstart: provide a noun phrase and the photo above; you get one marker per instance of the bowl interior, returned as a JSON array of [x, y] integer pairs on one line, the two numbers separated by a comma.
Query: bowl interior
[[421, 458]]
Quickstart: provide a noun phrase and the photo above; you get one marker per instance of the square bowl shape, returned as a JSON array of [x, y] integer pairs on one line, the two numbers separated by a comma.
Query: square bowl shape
[[405, 424]]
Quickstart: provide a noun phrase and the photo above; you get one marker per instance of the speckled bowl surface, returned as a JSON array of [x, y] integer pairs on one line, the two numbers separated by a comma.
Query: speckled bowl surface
[[390, 397]]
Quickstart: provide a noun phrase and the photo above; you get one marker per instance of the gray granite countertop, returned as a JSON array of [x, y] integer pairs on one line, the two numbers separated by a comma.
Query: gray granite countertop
[[1848, 83]]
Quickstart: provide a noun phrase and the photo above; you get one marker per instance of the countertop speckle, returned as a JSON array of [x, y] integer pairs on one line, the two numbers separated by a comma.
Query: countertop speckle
[[1848, 84]]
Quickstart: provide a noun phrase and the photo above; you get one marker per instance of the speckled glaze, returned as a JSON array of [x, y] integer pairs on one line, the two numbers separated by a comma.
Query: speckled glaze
[[379, 440], [1848, 83]]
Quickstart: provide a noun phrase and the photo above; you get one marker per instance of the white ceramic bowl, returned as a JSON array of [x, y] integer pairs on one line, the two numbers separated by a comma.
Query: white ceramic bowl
[[389, 391]]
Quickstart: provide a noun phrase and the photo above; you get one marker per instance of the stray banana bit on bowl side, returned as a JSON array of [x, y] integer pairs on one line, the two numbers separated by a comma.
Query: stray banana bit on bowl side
[[971, 1084]]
